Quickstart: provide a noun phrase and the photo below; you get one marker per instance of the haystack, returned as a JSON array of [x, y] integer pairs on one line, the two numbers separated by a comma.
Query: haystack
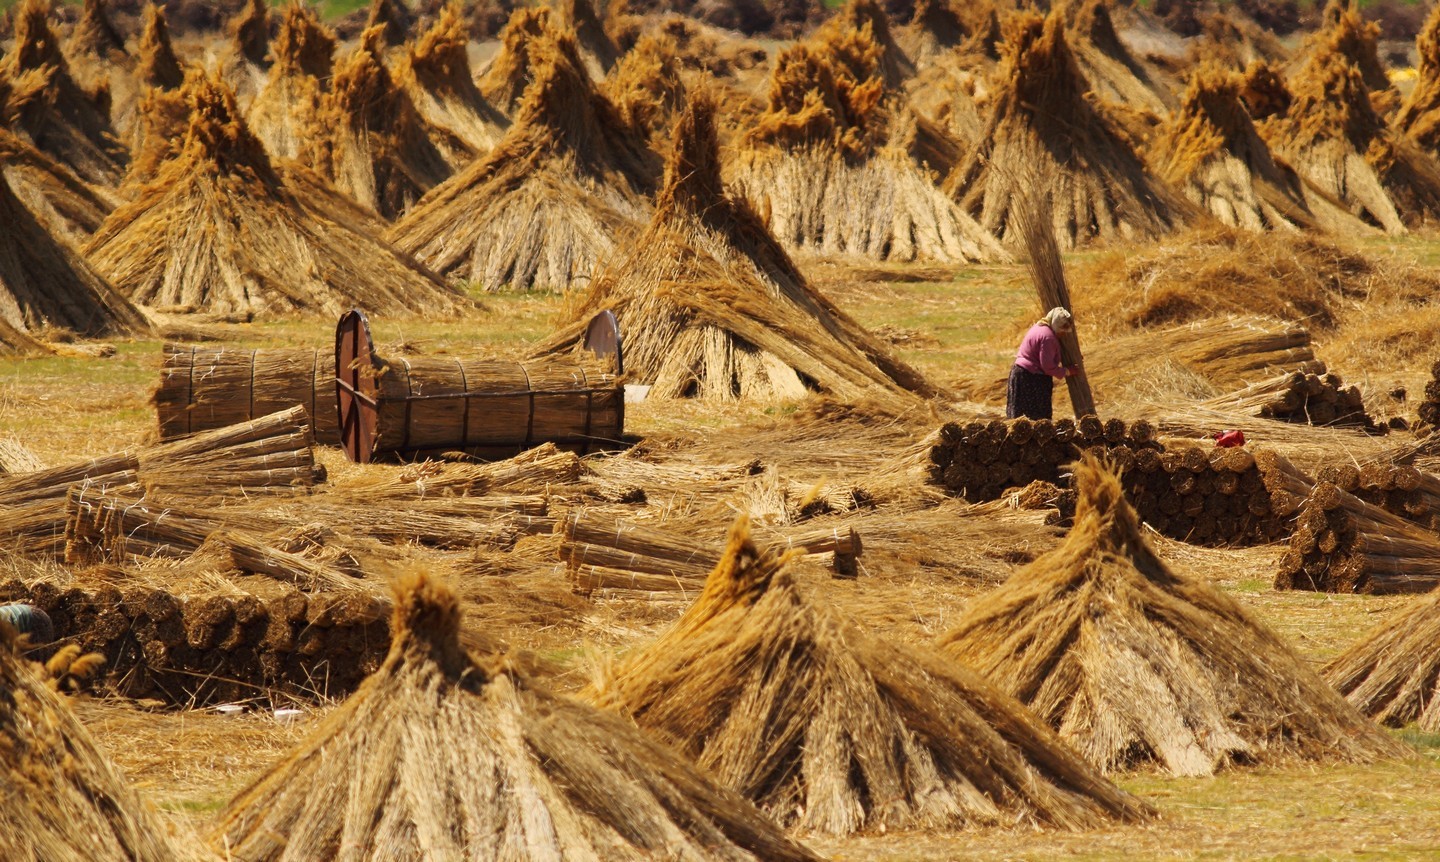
[[435, 73], [45, 284], [828, 166], [61, 799], [163, 115], [370, 140], [40, 100], [1042, 128], [157, 65], [286, 111], [510, 71], [99, 61], [441, 754], [1132, 662], [1393, 673], [219, 230], [568, 183], [711, 306], [648, 89], [69, 208], [1419, 116], [935, 30], [895, 67], [393, 19], [244, 62], [1344, 30], [1112, 70], [1212, 153], [596, 47], [829, 729]]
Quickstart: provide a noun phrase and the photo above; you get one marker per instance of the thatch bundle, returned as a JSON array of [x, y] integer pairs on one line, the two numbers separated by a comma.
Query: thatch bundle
[[435, 73], [1211, 151], [829, 729], [287, 108], [711, 306], [1343, 544], [205, 388], [441, 753], [1133, 662], [66, 206], [648, 89], [1115, 74], [1041, 125], [1429, 410], [1308, 398], [45, 284], [61, 799], [244, 61], [219, 230], [1400, 489], [393, 19], [1419, 115], [1345, 30], [40, 100], [935, 30], [1393, 672], [157, 65], [868, 16], [1235, 42], [1265, 93], [504, 81], [827, 165], [98, 60], [596, 47], [568, 183]]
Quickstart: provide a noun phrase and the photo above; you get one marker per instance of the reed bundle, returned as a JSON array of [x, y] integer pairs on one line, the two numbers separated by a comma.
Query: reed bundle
[[244, 62], [101, 65], [216, 647], [287, 108], [1419, 115], [450, 523], [1302, 398], [62, 799], [442, 752], [435, 73], [1116, 75], [567, 184], [1392, 673], [536, 470], [66, 206], [1400, 489], [41, 101], [858, 17], [936, 29], [1041, 124], [780, 698], [1225, 351], [604, 553], [1343, 544], [1133, 662], [504, 80], [1429, 410], [157, 65], [206, 388], [1310, 446], [1036, 225], [15, 457], [597, 49], [394, 20], [713, 307], [648, 89], [220, 230]]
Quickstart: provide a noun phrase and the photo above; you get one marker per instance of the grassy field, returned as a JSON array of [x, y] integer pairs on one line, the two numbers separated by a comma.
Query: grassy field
[[956, 326]]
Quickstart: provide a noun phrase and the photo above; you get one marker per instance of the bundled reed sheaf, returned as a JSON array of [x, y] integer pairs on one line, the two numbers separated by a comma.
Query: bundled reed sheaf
[[158, 132], [1429, 410], [1400, 489], [244, 61], [435, 73], [441, 753], [565, 187], [61, 799], [1211, 151], [219, 230], [1313, 398], [1393, 672], [287, 109], [597, 49], [1225, 352], [828, 168], [1115, 74], [46, 284], [1343, 544], [157, 65], [205, 388], [40, 100], [101, 65], [504, 81], [1133, 662], [394, 20], [712, 307], [1042, 125], [1419, 116], [831, 730], [69, 208], [216, 647]]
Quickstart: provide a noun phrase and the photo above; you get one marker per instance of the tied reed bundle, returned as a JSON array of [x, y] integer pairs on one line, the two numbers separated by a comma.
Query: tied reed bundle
[[1393, 672], [831, 730], [1308, 398], [1133, 662], [1419, 116], [206, 388], [435, 73], [443, 753], [244, 61], [287, 110], [1343, 544], [68, 208], [1115, 74], [1035, 222]]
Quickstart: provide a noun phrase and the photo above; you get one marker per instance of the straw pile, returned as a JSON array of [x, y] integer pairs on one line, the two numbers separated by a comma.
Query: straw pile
[[597, 49], [566, 185], [1430, 407], [61, 799], [1212, 153], [1392, 674], [287, 108], [219, 230], [244, 62], [393, 19], [827, 167], [1301, 397], [1112, 70], [46, 284], [435, 74], [216, 647], [1342, 544], [712, 307], [828, 729], [157, 65], [205, 388], [1419, 116], [442, 753], [935, 30], [1400, 489], [101, 65], [1225, 352], [1040, 119], [68, 208], [648, 89], [40, 100], [164, 114], [1133, 662], [504, 81]]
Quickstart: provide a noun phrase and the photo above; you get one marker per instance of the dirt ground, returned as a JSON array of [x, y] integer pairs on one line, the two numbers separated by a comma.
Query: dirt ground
[[955, 325]]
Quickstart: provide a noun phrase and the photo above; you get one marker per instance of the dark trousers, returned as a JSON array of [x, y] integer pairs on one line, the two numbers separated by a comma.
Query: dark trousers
[[1028, 394]]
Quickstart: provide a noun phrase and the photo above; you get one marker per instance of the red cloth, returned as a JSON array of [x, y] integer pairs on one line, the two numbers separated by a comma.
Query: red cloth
[[1229, 439], [1039, 352]]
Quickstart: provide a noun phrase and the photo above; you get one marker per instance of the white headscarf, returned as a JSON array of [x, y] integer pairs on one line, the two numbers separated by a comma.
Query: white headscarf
[[1058, 319]]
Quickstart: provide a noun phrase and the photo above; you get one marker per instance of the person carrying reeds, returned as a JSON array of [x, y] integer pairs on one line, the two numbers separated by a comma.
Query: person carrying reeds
[[1037, 367]]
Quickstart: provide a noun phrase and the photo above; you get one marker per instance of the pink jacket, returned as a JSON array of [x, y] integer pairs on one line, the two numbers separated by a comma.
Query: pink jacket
[[1039, 352]]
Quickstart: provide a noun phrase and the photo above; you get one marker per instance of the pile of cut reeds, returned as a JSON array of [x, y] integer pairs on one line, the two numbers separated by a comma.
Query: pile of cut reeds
[[1400, 489], [216, 647], [1302, 398], [1133, 662], [442, 521], [604, 553], [62, 799], [1430, 407], [286, 109], [1419, 115], [442, 753], [1393, 673], [202, 388], [1343, 544], [535, 471]]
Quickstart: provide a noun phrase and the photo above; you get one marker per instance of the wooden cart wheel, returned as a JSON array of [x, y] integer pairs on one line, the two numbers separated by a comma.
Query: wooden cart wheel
[[602, 338], [355, 386]]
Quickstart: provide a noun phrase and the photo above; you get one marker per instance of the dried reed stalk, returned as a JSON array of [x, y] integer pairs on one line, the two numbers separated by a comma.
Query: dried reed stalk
[[1419, 115], [1226, 351], [435, 73], [65, 205], [440, 752], [1114, 72], [1392, 673], [1035, 222], [1132, 662], [830, 730], [1300, 397]]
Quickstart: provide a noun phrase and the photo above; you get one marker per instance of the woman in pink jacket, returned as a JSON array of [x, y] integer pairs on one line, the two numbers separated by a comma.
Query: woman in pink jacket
[[1037, 367]]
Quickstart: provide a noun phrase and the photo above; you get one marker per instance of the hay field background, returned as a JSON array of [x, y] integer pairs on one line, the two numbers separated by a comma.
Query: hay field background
[[954, 324]]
